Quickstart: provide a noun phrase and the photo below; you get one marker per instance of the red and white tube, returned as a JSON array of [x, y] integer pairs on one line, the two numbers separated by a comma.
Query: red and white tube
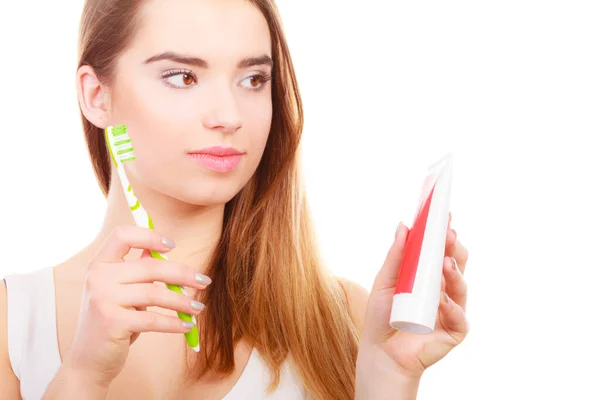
[[417, 296]]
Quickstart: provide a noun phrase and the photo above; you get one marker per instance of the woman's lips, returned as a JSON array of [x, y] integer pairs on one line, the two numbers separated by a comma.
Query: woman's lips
[[219, 159]]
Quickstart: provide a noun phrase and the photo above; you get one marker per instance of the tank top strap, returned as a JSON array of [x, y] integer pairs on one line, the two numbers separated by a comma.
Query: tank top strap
[[32, 337]]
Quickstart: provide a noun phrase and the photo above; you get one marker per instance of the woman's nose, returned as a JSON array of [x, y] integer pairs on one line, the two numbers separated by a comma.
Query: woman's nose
[[223, 113]]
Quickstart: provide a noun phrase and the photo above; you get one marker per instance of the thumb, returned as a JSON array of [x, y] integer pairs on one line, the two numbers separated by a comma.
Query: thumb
[[146, 254], [388, 274]]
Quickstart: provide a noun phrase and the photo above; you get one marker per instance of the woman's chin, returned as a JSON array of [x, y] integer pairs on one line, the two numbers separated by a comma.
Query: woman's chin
[[202, 197]]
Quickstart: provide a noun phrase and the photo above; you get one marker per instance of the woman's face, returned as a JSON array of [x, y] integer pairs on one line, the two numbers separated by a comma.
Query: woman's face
[[195, 81]]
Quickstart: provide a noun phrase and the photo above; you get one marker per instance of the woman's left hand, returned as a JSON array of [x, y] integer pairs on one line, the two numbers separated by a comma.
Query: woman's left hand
[[388, 356]]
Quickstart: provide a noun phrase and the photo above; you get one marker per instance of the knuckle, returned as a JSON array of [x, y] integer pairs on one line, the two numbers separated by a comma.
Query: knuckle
[[119, 233], [152, 321], [92, 265], [152, 295], [91, 277], [98, 292], [94, 299], [107, 317], [93, 283]]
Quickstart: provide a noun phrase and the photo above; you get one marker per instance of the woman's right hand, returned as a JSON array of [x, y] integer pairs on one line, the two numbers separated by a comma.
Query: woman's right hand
[[113, 306]]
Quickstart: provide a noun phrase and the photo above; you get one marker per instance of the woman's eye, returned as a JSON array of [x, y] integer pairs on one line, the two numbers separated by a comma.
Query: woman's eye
[[255, 82], [181, 79]]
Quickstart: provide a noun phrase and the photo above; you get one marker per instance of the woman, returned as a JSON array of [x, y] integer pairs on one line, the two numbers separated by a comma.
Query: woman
[[186, 77]]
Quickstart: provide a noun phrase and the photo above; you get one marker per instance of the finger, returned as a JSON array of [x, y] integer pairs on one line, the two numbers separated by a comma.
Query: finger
[[124, 238], [443, 284], [151, 295], [148, 321], [453, 318], [146, 254], [461, 255], [149, 270], [450, 241], [449, 219], [388, 274], [456, 286]]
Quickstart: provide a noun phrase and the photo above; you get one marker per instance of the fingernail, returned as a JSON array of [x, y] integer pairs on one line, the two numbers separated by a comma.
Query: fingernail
[[168, 242], [454, 265], [203, 279], [446, 299], [400, 225], [188, 325], [196, 305]]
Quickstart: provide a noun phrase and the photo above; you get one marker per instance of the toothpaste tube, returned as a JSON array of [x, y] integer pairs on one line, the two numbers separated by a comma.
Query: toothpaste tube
[[417, 295]]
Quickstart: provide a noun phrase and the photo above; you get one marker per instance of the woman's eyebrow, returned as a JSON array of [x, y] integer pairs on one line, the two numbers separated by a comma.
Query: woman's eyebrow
[[198, 62]]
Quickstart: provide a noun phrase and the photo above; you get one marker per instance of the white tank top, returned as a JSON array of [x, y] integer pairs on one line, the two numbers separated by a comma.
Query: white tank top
[[35, 358]]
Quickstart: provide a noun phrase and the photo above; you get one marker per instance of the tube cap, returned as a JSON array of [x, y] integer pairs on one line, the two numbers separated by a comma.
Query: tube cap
[[413, 314]]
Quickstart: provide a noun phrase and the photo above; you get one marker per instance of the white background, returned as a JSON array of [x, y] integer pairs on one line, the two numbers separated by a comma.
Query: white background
[[512, 87]]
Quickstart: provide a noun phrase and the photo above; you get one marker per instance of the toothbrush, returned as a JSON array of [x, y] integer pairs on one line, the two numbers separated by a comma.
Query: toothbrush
[[121, 151]]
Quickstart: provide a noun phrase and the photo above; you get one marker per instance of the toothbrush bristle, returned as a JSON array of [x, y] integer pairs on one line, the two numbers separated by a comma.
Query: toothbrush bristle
[[119, 130], [121, 144]]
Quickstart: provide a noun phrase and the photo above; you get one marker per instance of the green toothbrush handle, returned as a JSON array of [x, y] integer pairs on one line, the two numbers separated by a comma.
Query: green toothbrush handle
[[192, 337]]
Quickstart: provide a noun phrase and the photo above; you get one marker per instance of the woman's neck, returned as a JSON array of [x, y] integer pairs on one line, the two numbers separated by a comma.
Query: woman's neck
[[195, 229]]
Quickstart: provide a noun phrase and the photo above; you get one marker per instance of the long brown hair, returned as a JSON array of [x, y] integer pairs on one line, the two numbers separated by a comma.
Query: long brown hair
[[269, 285]]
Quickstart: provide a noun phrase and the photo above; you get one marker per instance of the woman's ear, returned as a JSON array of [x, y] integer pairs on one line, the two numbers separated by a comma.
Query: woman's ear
[[93, 97]]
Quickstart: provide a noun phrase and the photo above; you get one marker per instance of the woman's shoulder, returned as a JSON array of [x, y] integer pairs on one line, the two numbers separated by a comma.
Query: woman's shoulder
[[358, 297]]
